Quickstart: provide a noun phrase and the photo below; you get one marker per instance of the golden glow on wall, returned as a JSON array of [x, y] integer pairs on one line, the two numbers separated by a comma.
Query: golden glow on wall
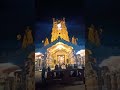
[[60, 53], [59, 46], [61, 59]]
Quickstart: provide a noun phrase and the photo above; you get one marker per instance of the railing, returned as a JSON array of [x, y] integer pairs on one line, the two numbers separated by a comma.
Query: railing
[[66, 76]]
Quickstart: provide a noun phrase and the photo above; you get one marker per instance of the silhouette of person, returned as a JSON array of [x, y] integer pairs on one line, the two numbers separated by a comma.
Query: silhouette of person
[[66, 66], [59, 67], [56, 67], [43, 74], [49, 69]]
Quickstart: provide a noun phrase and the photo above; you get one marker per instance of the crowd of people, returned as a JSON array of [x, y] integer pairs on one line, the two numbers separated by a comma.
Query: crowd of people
[[60, 71]]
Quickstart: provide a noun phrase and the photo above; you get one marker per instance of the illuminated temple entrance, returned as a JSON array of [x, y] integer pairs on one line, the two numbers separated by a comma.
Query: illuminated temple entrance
[[60, 54], [60, 50]]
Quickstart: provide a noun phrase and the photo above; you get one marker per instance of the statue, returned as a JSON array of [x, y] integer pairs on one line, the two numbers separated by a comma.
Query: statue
[[24, 43], [97, 39], [91, 34], [29, 36], [27, 39]]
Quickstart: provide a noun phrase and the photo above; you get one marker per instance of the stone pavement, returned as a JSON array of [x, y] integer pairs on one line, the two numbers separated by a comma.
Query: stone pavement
[[57, 87], [76, 87], [63, 87]]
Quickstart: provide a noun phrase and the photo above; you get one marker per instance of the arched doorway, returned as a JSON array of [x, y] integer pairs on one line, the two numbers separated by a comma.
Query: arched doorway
[[59, 54]]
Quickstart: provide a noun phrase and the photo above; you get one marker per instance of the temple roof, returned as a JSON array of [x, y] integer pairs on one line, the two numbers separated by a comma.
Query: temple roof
[[76, 47]]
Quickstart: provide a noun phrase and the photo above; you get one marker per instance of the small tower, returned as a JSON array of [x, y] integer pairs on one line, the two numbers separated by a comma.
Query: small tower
[[74, 40], [46, 41]]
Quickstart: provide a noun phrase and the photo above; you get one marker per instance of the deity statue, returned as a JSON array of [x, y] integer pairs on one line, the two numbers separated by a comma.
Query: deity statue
[[28, 38], [93, 35]]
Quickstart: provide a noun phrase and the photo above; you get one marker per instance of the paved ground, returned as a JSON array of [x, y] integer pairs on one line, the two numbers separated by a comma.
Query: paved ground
[[37, 76], [61, 87], [76, 87], [55, 87]]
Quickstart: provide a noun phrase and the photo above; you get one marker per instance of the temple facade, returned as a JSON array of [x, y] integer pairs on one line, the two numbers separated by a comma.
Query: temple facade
[[60, 49]]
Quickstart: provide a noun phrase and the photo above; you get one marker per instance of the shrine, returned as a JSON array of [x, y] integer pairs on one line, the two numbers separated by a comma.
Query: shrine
[[60, 49]]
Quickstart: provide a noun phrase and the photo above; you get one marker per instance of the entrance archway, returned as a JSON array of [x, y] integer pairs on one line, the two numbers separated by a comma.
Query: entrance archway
[[59, 54]]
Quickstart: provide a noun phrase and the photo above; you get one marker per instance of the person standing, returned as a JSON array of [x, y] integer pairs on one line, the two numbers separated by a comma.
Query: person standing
[[43, 74]]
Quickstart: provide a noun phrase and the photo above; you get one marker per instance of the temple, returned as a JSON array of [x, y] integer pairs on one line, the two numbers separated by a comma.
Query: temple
[[60, 49]]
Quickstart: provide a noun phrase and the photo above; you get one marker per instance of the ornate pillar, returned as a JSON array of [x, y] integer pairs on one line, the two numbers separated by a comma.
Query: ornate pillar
[[108, 81], [105, 81], [107, 84], [118, 80], [91, 79], [91, 83], [113, 81]]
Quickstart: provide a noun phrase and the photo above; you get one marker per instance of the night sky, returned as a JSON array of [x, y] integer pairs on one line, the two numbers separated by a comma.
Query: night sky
[[15, 15], [57, 9], [72, 11], [105, 14]]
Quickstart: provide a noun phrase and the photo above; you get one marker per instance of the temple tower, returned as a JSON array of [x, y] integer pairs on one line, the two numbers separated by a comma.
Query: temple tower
[[59, 30]]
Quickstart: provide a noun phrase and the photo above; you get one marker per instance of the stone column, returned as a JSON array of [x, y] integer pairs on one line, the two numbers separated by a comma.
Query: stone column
[[91, 83], [99, 80], [14, 83], [26, 84], [113, 82], [118, 80], [105, 82], [91, 79], [108, 82]]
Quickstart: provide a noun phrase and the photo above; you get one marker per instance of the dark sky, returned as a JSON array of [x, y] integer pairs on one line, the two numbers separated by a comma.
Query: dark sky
[[15, 15], [47, 9], [105, 14]]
